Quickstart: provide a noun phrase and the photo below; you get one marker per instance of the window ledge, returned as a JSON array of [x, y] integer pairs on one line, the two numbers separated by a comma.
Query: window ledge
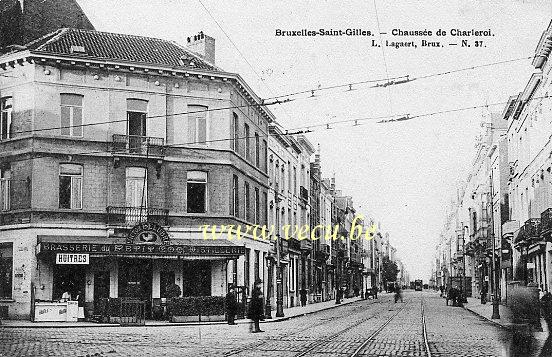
[[5, 300]]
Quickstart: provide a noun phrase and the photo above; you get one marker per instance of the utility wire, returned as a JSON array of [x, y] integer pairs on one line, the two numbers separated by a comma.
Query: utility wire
[[279, 100], [239, 51], [308, 129]]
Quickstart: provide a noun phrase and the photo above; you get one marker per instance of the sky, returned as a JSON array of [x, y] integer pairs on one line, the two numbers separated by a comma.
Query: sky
[[403, 174]]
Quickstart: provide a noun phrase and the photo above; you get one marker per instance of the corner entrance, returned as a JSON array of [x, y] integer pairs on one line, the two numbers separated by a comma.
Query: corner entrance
[[135, 280]]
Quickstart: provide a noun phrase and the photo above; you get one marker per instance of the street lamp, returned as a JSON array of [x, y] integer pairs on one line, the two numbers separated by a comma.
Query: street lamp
[[279, 286], [496, 313]]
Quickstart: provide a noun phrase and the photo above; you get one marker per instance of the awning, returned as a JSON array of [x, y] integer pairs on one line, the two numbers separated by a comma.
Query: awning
[[102, 247]]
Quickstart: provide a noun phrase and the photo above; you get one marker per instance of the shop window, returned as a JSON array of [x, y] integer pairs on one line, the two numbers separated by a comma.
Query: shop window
[[167, 278], [70, 186], [196, 191], [256, 266], [197, 124], [6, 106], [71, 115], [69, 279], [6, 270], [5, 176]]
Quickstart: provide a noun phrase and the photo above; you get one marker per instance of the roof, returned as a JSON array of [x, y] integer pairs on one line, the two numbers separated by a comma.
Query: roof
[[118, 47]]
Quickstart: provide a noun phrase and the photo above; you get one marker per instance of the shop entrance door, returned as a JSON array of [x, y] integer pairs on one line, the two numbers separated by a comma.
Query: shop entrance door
[[135, 281]]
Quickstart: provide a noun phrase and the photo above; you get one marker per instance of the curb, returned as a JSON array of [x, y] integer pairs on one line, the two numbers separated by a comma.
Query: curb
[[240, 322], [488, 319]]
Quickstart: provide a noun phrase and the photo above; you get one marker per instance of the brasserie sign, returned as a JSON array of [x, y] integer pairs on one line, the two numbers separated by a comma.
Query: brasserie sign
[[140, 249]]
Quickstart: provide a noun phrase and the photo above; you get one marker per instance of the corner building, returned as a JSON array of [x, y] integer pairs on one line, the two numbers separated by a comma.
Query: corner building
[[102, 134]]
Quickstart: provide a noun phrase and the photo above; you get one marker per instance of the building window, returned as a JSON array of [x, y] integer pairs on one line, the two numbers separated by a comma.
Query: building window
[[236, 132], [235, 197], [6, 106], [295, 180], [5, 176], [71, 115], [197, 124], [257, 206], [247, 143], [196, 191], [257, 150], [70, 186], [6, 270], [247, 202], [265, 156], [265, 205]]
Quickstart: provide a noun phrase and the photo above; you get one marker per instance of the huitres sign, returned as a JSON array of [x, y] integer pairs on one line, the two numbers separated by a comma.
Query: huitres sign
[[141, 249]]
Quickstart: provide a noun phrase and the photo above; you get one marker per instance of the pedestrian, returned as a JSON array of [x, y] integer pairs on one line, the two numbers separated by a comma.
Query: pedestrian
[[484, 291], [231, 305], [255, 312], [303, 293], [546, 306], [356, 290], [442, 289]]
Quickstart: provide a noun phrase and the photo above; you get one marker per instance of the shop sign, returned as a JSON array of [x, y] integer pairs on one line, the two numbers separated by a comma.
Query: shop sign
[[141, 249], [68, 258], [148, 233]]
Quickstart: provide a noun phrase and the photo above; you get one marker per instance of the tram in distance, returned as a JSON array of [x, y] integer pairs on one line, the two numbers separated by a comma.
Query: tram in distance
[[418, 285]]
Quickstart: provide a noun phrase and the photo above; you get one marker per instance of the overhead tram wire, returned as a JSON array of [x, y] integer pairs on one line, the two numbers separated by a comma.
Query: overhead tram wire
[[285, 98], [384, 82], [304, 129], [389, 97], [239, 51]]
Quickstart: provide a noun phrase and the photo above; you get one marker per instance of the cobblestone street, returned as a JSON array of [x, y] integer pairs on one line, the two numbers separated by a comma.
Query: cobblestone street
[[365, 328]]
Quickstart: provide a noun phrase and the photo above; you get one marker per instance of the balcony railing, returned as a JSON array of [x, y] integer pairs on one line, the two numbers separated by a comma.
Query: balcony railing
[[138, 145], [131, 216], [304, 193], [546, 220], [530, 230]]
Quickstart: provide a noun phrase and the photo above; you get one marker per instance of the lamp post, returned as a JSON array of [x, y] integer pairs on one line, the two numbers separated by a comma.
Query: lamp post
[[268, 306], [496, 313], [279, 286]]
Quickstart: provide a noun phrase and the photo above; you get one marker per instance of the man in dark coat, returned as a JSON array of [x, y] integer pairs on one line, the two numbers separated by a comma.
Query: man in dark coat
[[231, 305], [303, 293], [484, 291], [256, 312]]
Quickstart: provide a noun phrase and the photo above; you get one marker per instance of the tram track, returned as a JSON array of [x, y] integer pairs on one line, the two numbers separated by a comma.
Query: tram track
[[255, 346]]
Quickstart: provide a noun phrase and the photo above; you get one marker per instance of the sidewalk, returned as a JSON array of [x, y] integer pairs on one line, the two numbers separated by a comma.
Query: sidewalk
[[486, 311], [289, 313]]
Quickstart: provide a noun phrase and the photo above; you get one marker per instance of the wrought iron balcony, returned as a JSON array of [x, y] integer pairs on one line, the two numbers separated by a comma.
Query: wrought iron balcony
[[138, 145], [304, 193], [546, 220], [530, 231], [131, 216]]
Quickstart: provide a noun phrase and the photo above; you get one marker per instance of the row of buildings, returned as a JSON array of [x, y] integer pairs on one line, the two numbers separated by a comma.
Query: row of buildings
[[507, 196], [117, 150]]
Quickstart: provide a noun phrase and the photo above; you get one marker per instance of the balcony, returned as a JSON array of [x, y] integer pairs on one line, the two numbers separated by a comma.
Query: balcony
[[138, 145], [529, 232], [546, 221], [304, 193], [131, 216]]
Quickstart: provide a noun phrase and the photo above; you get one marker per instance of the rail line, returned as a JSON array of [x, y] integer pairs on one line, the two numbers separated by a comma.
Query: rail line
[[372, 335], [295, 332], [424, 329]]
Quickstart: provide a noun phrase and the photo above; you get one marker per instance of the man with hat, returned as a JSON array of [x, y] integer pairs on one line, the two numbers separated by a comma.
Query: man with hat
[[255, 312], [231, 305]]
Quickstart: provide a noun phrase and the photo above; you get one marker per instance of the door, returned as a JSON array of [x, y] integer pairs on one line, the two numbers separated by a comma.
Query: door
[[135, 280], [136, 130], [136, 195], [101, 291]]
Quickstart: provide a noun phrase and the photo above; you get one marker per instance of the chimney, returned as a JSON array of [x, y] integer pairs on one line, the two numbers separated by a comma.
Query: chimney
[[203, 45]]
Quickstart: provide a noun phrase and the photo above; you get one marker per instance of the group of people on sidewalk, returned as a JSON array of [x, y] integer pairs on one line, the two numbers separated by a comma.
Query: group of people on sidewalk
[[255, 311]]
